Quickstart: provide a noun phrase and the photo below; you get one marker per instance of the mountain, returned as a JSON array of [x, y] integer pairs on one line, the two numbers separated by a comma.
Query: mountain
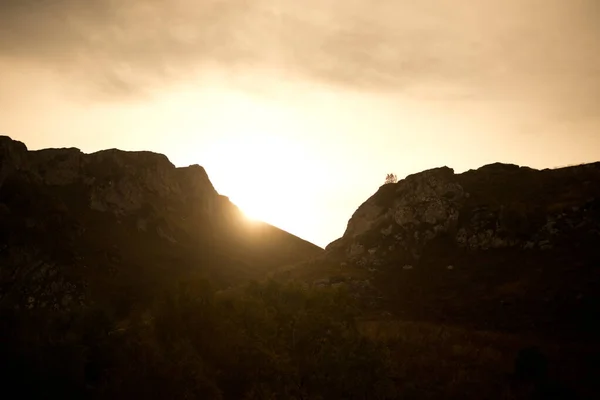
[[502, 248], [114, 227], [124, 277]]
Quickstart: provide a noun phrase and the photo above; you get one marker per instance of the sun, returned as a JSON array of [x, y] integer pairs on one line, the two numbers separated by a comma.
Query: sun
[[262, 205], [258, 155], [263, 175], [252, 214]]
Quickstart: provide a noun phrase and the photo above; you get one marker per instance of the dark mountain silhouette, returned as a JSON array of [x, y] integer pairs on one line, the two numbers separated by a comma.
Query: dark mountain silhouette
[[114, 226], [122, 276], [502, 247]]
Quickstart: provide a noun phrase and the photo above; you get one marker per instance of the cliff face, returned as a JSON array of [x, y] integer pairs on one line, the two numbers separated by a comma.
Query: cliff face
[[114, 226], [495, 207], [500, 247]]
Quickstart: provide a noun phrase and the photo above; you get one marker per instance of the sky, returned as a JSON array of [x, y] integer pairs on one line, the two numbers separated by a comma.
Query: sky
[[299, 109]]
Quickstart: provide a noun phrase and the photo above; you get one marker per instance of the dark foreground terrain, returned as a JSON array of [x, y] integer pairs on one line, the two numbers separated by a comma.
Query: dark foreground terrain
[[271, 341], [122, 276]]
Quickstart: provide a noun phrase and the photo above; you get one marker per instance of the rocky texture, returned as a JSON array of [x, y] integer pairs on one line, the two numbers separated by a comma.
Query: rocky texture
[[403, 217], [535, 210], [500, 247], [115, 226]]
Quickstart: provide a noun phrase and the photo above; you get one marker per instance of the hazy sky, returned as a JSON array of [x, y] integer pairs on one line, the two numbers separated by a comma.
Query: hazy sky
[[298, 109]]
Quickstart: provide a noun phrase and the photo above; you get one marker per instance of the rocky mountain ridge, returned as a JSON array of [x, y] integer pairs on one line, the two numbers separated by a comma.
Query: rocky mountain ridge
[[116, 225], [532, 214], [113, 265], [500, 247]]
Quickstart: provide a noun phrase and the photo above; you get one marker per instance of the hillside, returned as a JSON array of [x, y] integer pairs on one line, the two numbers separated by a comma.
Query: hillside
[[114, 227], [502, 248], [122, 276]]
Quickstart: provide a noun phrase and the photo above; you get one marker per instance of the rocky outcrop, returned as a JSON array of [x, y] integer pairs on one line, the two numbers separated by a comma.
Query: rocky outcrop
[[401, 219], [120, 182], [500, 247], [115, 225], [404, 216]]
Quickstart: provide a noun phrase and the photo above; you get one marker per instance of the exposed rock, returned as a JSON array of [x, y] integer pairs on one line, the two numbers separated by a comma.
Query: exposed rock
[[526, 241], [387, 231], [437, 203], [356, 250], [412, 212], [109, 226]]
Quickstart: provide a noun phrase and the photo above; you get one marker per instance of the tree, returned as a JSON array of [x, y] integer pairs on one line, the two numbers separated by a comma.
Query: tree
[[391, 178]]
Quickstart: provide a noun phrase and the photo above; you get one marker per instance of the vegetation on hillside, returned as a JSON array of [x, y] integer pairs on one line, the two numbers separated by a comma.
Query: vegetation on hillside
[[262, 341], [98, 305], [391, 178]]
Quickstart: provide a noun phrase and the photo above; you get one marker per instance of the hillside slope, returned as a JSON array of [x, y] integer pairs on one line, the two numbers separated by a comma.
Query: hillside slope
[[116, 226], [502, 247]]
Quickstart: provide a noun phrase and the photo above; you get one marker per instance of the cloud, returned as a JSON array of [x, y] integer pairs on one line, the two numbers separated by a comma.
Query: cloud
[[534, 51]]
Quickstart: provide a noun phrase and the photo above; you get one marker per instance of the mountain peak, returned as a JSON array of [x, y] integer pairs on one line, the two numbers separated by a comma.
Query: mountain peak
[[111, 218], [446, 247]]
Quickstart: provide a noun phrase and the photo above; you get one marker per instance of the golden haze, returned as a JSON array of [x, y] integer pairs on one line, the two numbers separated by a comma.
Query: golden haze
[[297, 113]]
